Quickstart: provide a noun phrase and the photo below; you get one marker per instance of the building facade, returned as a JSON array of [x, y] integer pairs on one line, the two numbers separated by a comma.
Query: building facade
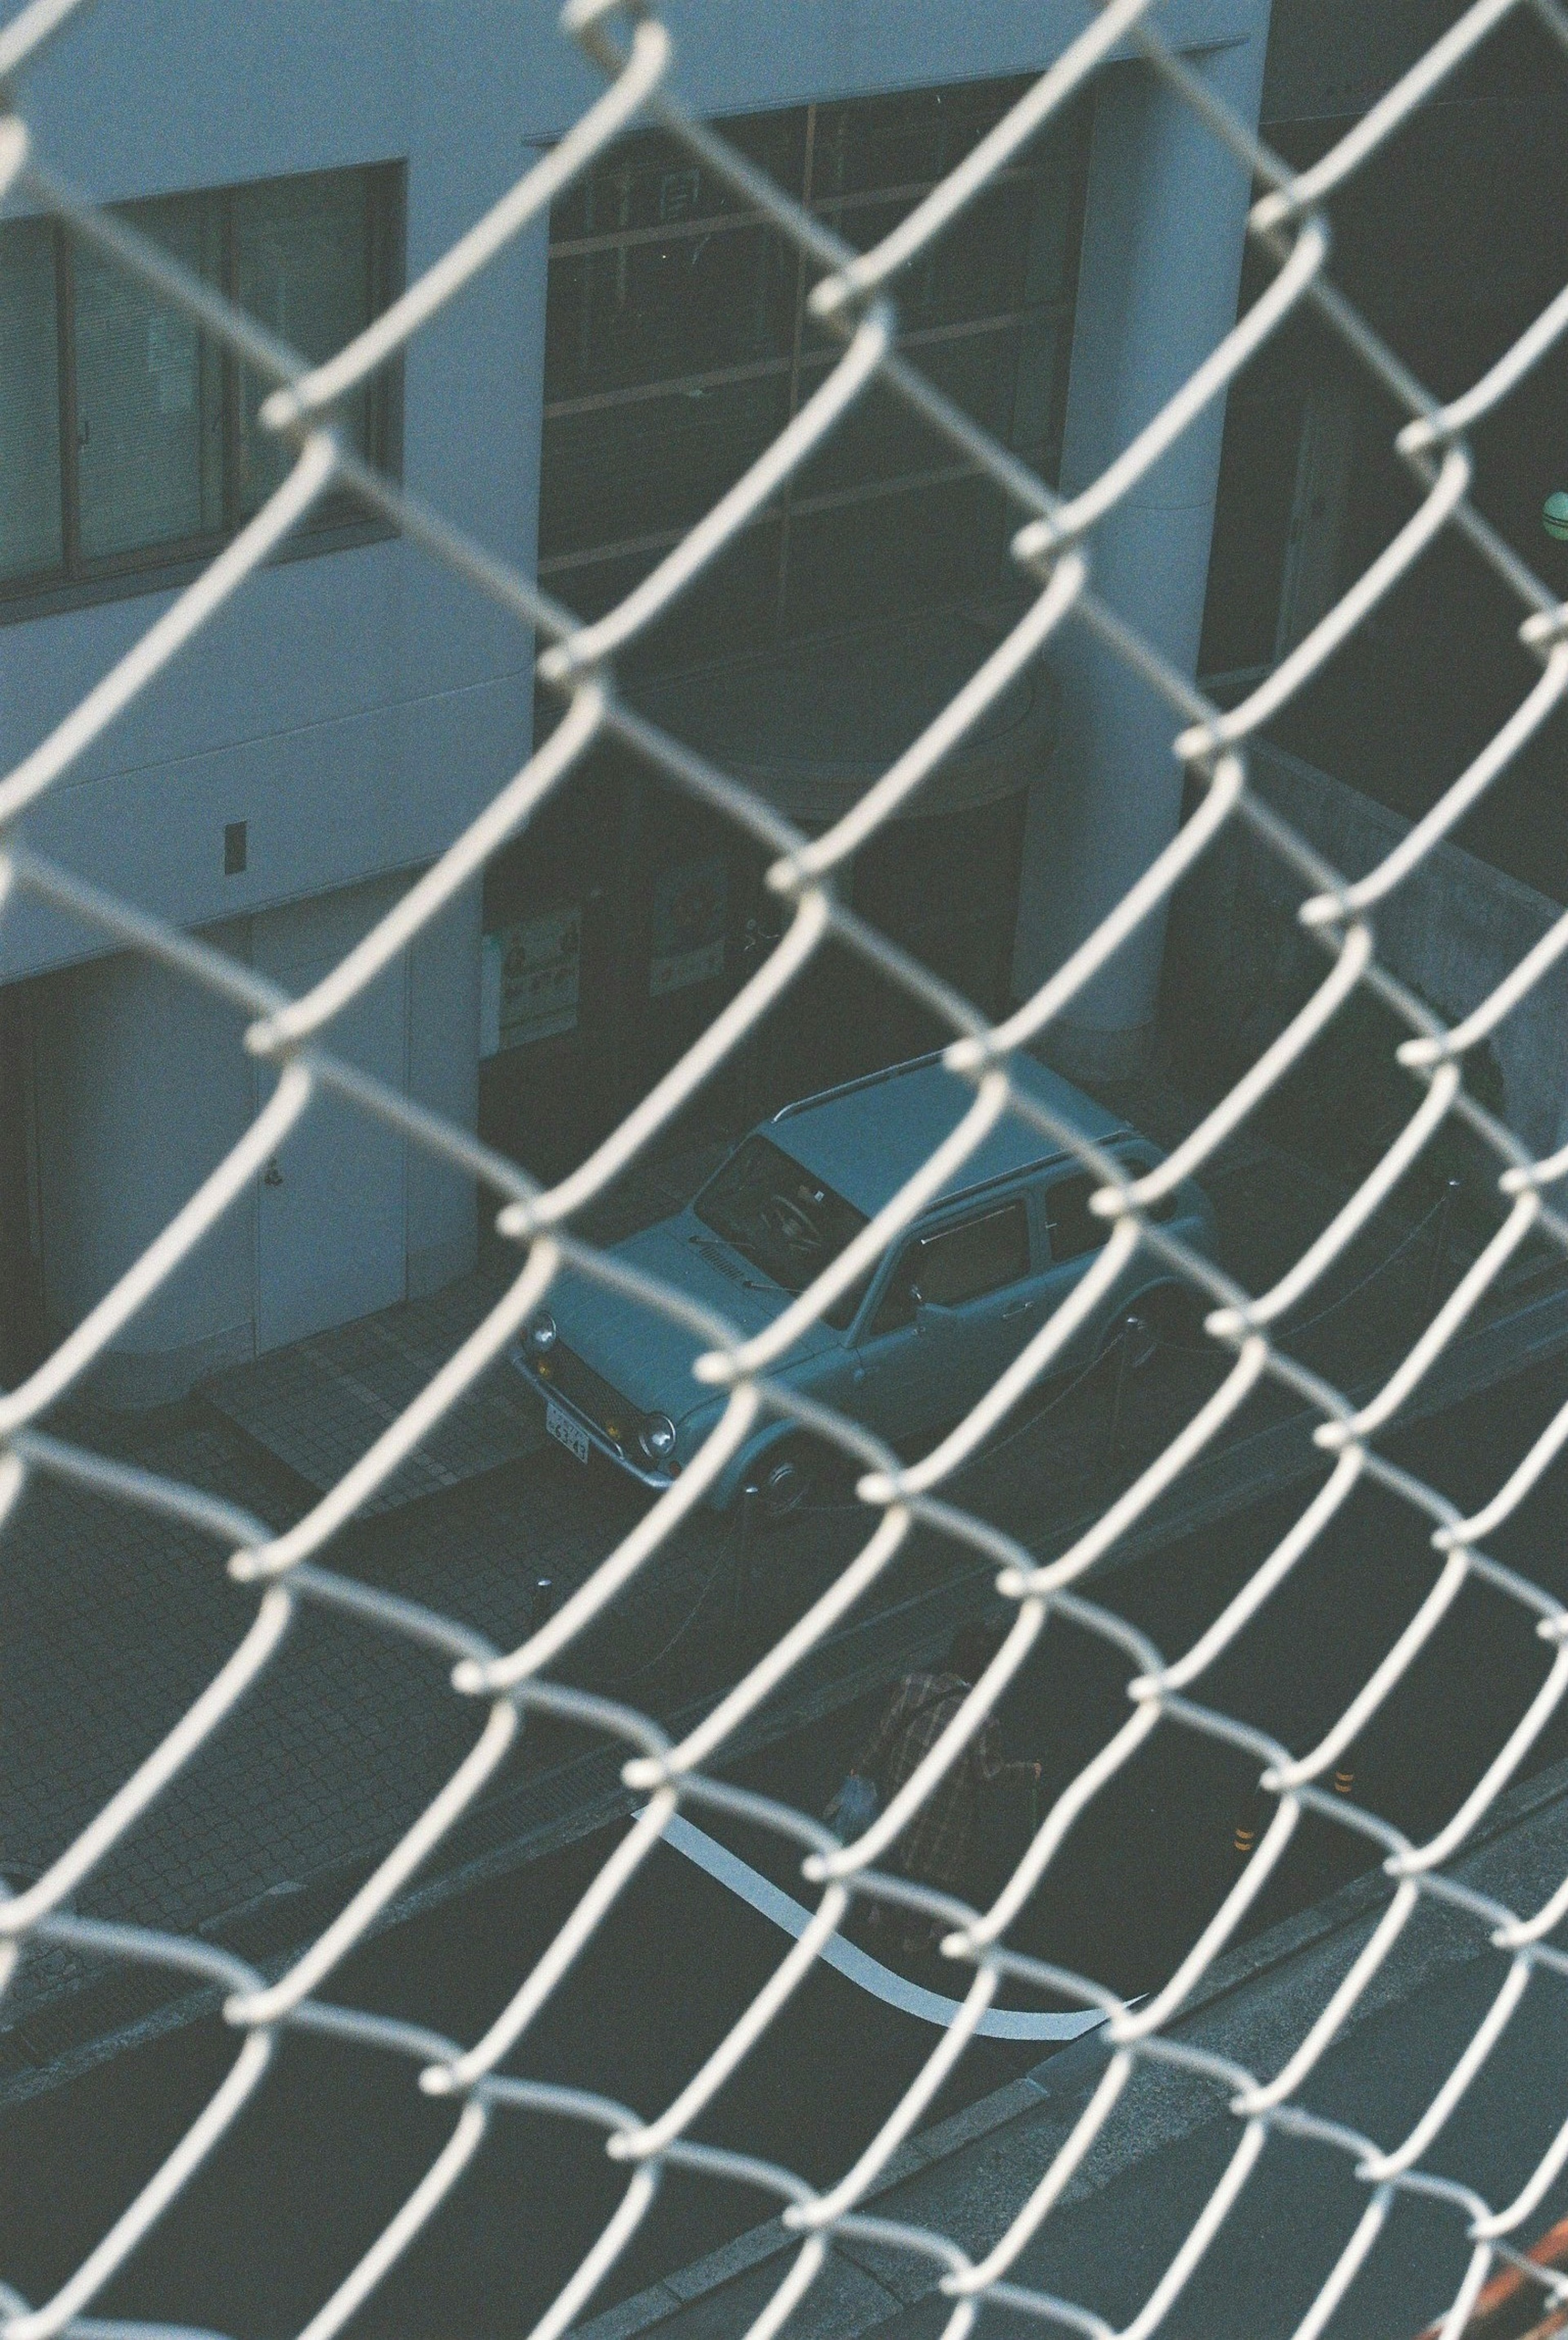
[[1451, 241], [577, 408]]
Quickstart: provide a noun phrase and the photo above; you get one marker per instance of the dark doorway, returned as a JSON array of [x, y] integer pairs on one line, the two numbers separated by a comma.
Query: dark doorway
[[21, 1339]]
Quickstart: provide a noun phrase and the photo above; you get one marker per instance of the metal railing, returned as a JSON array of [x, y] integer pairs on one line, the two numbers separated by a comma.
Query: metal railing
[[855, 295]]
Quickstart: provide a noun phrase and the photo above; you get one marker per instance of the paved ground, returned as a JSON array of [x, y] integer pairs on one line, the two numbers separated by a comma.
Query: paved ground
[[113, 1622], [1130, 2207], [251, 2252], [316, 1405]]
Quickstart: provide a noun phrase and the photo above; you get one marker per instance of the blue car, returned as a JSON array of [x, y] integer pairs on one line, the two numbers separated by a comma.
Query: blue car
[[912, 1346]]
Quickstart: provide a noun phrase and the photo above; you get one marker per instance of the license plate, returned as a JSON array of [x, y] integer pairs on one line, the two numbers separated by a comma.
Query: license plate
[[571, 1434]]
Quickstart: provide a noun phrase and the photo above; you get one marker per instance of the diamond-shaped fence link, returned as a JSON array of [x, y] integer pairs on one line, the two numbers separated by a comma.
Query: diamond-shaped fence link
[[856, 296]]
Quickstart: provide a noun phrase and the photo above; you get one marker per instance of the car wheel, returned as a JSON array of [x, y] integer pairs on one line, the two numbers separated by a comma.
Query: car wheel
[[786, 1480]]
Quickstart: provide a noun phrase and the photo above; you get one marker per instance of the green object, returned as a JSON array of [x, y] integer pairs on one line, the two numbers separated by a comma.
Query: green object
[[1555, 515]]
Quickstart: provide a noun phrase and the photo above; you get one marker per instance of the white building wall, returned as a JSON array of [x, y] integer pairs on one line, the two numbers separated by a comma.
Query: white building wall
[[356, 708], [142, 1085]]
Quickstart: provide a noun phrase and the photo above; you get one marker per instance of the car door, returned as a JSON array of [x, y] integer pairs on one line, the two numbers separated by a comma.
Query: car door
[[1072, 1234], [955, 1306]]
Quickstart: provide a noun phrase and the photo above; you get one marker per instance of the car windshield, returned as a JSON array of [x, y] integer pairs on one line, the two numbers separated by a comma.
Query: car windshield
[[780, 1219]]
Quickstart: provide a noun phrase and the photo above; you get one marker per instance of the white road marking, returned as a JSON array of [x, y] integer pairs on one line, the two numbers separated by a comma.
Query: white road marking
[[855, 1964]]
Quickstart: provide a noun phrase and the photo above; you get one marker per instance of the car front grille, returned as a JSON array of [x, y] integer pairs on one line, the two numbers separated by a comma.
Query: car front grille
[[560, 1369]]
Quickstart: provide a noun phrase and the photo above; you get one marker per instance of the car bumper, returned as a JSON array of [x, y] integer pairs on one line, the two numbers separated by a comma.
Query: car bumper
[[643, 1473]]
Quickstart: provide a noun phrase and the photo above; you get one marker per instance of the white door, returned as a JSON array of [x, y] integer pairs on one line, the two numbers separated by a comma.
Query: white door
[[330, 1212]]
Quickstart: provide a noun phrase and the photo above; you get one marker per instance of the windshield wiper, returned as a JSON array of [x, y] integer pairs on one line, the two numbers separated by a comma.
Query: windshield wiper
[[716, 1253]]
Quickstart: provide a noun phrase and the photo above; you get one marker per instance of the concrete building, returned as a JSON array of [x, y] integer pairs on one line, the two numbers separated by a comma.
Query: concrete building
[[1451, 241], [579, 405]]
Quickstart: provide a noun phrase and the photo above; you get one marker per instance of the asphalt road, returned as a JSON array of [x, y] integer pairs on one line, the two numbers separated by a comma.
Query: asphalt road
[[338, 2135]]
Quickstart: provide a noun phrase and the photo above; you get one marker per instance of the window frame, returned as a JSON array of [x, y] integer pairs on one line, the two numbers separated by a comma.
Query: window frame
[[993, 1206], [78, 582], [1139, 1159], [801, 366], [1072, 1173]]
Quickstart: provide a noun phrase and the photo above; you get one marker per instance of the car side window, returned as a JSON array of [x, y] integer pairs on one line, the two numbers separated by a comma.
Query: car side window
[[1139, 1162], [1073, 1227], [958, 1264]]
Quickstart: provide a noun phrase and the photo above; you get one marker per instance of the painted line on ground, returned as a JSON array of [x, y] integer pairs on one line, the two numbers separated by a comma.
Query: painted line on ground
[[771, 1901]]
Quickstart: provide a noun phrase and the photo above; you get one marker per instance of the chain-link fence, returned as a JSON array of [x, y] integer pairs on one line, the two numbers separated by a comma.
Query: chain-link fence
[[855, 295]]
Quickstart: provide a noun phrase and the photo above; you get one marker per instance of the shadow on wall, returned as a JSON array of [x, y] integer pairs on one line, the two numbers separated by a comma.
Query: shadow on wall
[[1238, 966]]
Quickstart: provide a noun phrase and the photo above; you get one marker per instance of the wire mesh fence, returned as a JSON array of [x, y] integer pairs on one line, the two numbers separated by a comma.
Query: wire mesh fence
[[485, 2079]]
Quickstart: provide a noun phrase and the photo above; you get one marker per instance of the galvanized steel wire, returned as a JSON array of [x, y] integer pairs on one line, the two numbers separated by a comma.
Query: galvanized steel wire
[[1054, 545]]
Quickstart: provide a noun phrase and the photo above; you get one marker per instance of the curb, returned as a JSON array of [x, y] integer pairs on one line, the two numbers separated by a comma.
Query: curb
[[1056, 2075], [545, 1814]]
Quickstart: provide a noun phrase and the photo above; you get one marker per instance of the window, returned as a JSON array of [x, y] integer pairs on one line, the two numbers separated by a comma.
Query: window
[[129, 442], [1073, 1226], [678, 345], [1137, 1163], [958, 1264], [778, 1217]]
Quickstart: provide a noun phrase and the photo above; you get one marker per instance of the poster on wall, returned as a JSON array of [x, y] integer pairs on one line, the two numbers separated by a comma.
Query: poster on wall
[[529, 980], [691, 914]]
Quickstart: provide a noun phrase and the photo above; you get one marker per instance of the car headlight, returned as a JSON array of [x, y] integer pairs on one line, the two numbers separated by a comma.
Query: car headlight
[[656, 1438], [541, 1335]]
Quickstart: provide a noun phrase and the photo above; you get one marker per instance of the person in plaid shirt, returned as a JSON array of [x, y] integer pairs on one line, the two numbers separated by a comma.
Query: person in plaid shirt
[[937, 1847]]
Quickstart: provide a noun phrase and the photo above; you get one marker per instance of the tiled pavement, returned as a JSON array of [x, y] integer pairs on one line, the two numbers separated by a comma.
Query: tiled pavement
[[112, 1622], [318, 1404]]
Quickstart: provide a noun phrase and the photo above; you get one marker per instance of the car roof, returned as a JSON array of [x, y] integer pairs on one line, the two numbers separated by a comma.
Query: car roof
[[867, 1139]]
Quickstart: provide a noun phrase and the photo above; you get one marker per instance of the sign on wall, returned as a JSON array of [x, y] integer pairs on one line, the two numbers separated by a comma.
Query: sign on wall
[[690, 915], [529, 980]]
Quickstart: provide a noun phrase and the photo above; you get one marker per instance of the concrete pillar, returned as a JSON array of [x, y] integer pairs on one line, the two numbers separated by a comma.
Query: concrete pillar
[[1163, 238]]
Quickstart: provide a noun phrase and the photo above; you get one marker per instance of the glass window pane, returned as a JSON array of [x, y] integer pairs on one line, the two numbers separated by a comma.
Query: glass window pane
[[1073, 1226], [961, 1263], [29, 401], [612, 474], [907, 139], [980, 1256], [724, 615], [304, 265], [659, 276], [915, 549], [897, 1307], [650, 180], [149, 404], [977, 267], [880, 438], [664, 309], [779, 1217]]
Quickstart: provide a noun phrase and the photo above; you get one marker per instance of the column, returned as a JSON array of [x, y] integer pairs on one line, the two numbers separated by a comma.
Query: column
[[1163, 232]]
